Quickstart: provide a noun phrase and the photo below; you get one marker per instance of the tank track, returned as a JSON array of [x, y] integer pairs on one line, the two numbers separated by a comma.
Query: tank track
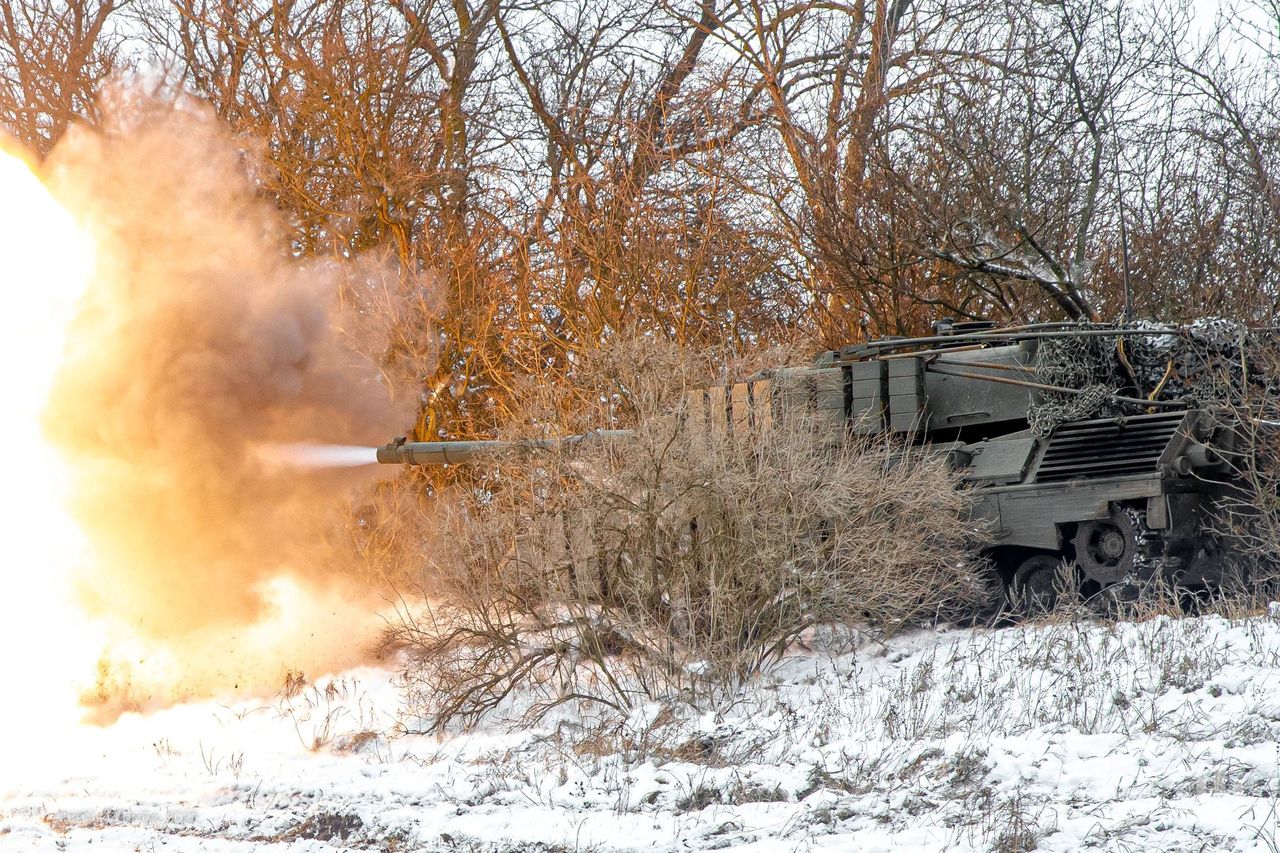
[[1149, 561]]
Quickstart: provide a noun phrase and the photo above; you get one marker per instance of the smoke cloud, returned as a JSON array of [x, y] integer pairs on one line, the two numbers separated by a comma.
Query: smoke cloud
[[200, 341]]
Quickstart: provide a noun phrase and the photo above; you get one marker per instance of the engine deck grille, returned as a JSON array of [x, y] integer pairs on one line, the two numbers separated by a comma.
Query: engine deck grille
[[1108, 448]]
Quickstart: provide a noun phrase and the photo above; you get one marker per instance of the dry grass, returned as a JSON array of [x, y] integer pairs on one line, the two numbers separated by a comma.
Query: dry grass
[[676, 563]]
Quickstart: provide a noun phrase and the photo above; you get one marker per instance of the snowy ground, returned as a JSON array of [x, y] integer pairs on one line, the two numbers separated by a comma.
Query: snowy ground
[[1158, 736]]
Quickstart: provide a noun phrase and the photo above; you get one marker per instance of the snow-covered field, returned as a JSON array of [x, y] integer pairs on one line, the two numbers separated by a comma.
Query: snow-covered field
[[1163, 735]]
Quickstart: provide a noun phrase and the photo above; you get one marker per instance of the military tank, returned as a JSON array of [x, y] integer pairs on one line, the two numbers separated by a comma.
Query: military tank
[[1109, 447]]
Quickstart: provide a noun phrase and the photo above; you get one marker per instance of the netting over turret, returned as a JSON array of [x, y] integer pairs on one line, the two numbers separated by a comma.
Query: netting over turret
[[1210, 361]]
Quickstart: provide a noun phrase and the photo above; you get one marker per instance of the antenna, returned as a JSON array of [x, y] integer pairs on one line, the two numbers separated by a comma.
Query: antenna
[[1124, 229], [1124, 248]]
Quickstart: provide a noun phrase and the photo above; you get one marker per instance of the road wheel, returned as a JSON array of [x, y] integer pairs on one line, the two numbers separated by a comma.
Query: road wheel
[[1034, 591]]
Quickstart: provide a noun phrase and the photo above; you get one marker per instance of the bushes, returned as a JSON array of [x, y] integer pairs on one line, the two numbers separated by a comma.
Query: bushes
[[677, 562]]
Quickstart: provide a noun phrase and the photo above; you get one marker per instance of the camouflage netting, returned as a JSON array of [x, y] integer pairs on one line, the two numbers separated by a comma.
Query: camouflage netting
[[1207, 361]]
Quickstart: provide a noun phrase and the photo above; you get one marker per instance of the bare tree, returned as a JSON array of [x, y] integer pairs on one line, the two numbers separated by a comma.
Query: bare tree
[[833, 76], [541, 178], [54, 57]]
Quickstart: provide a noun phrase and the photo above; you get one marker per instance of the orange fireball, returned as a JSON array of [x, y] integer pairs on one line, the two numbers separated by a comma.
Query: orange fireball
[[48, 649]]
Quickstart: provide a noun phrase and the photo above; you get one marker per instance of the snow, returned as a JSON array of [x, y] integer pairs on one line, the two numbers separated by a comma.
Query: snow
[[1161, 735]]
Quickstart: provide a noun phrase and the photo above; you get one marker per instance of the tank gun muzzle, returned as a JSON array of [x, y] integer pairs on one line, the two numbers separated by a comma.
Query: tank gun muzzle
[[390, 453]]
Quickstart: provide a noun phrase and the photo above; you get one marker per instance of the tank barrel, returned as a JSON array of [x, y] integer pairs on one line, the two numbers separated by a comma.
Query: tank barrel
[[436, 452], [1019, 333], [402, 452]]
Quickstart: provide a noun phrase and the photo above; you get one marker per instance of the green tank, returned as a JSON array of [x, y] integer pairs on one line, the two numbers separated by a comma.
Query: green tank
[[1106, 446]]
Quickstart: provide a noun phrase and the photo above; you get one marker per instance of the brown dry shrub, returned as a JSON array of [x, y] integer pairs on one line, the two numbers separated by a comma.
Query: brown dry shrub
[[677, 562], [1241, 398]]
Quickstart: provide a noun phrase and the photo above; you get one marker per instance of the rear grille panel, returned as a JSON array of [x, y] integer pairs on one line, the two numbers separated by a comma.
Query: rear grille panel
[[1108, 448]]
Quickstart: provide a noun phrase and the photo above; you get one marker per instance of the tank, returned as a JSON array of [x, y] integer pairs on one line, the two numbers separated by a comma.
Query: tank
[[1104, 446], [1109, 447]]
